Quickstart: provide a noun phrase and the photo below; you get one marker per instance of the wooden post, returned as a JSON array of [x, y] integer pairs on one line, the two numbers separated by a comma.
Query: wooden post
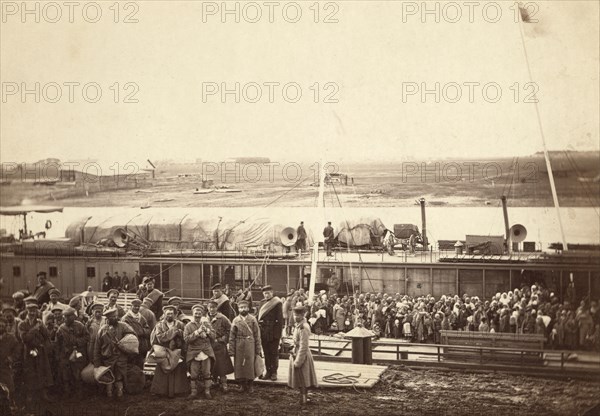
[[287, 286], [161, 277], [431, 280], [201, 280], [457, 288], [483, 287], [181, 277], [405, 280]]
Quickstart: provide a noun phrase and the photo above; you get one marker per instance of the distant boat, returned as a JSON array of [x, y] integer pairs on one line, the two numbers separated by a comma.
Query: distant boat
[[226, 190], [144, 191], [164, 200], [203, 191]]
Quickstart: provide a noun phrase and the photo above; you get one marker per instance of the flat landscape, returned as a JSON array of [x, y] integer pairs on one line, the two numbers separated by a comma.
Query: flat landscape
[[457, 183]]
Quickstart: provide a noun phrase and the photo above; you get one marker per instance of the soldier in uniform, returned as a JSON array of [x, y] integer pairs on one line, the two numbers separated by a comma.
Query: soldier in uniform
[[244, 346], [302, 374], [270, 320]]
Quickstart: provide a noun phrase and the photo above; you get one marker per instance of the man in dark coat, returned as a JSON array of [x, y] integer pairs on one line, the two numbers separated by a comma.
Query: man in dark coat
[[328, 234], [42, 290], [138, 323], [35, 338], [301, 241], [107, 353], [156, 296], [270, 320], [223, 303], [222, 327], [9, 353], [72, 339]]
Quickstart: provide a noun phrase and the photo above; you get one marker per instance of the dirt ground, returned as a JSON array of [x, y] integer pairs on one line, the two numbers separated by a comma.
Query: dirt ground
[[401, 391]]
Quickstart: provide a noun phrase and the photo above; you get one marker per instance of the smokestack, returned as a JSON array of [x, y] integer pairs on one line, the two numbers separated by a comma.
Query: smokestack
[[506, 226], [423, 222]]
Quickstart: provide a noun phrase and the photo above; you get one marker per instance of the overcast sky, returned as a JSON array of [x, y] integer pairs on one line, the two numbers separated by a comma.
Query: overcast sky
[[370, 55]]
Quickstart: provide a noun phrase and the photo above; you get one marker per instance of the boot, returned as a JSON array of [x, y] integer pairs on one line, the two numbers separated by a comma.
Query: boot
[[194, 388], [109, 390], [207, 384], [304, 397], [224, 387], [250, 388], [119, 386]]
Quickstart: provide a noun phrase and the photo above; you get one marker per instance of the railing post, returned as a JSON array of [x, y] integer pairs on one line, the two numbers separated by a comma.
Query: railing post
[[562, 361], [438, 354], [319, 345], [397, 352], [481, 356]]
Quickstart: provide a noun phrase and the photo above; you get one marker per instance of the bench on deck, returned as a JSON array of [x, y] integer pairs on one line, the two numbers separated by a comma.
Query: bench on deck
[[524, 346]]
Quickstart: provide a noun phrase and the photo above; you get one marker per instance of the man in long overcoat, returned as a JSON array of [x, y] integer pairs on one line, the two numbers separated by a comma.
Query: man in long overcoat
[[302, 374], [270, 320], [36, 339], [244, 346], [222, 327]]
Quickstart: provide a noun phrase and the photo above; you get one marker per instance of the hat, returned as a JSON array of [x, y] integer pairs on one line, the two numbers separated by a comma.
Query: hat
[[169, 308], [42, 274], [54, 291], [136, 302], [69, 311], [112, 291], [299, 309], [291, 292], [213, 302], [243, 302], [8, 307], [110, 311], [199, 306], [147, 279], [57, 308], [174, 299], [147, 302], [74, 301], [18, 295], [95, 306], [216, 286], [31, 302], [267, 288]]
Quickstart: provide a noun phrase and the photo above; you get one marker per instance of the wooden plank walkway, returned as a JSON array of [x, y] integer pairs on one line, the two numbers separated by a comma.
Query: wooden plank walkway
[[360, 375], [368, 375]]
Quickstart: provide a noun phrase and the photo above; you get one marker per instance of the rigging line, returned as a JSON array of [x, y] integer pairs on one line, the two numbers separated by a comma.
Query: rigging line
[[546, 155], [352, 236]]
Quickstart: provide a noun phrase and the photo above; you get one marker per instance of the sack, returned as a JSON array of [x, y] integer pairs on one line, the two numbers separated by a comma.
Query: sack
[[158, 351], [171, 361], [201, 356], [87, 374], [104, 375], [129, 344], [259, 365]]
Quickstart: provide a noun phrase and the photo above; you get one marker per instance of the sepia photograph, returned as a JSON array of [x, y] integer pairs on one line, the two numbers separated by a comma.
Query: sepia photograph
[[310, 207]]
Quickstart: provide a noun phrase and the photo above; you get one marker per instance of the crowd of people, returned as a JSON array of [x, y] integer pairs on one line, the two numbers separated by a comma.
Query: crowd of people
[[50, 349], [527, 310]]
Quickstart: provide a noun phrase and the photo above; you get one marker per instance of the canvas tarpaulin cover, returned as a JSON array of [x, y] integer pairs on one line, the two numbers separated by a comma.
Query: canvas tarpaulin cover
[[357, 233]]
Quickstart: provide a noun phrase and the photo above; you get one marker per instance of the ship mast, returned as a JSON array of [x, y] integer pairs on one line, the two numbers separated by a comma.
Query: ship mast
[[539, 119], [315, 254]]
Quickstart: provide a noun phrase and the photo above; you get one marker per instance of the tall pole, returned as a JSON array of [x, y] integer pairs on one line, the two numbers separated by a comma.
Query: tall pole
[[315, 256], [506, 224], [546, 156], [423, 223]]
